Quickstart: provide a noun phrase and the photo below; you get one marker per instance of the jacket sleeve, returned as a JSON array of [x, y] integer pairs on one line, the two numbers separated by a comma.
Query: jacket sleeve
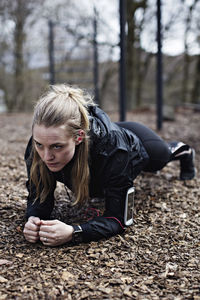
[[34, 207], [117, 182], [101, 227]]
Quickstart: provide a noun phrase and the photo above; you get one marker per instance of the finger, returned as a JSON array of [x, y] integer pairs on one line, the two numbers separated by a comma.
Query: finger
[[31, 239], [31, 233], [35, 220], [45, 228], [46, 241], [49, 222], [31, 226], [43, 234]]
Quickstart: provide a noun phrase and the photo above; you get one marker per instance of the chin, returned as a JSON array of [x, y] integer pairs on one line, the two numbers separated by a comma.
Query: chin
[[54, 168]]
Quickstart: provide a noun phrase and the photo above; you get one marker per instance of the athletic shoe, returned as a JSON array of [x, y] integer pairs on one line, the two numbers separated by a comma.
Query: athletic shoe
[[188, 170]]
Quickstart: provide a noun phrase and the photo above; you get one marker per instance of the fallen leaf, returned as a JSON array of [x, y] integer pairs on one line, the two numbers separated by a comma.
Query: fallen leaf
[[3, 279], [18, 228], [5, 262], [20, 255], [67, 275]]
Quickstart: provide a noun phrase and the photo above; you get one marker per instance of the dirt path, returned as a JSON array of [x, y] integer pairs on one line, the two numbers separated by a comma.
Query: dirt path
[[157, 258]]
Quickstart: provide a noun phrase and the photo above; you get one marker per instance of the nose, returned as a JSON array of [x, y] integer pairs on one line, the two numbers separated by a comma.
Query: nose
[[48, 155]]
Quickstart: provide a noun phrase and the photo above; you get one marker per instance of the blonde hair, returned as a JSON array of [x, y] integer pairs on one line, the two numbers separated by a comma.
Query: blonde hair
[[63, 105]]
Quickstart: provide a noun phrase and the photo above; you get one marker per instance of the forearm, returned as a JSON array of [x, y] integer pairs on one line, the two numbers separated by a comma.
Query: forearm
[[101, 227], [40, 210]]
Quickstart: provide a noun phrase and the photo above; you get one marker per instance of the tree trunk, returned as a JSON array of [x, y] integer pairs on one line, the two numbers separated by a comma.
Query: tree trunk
[[19, 39], [142, 71], [140, 64], [195, 96], [130, 55], [18, 11], [132, 6], [186, 66], [186, 62]]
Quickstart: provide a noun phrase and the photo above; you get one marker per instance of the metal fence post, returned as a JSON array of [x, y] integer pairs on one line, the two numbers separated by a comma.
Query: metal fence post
[[159, 79], [51, 53], [122, 66]]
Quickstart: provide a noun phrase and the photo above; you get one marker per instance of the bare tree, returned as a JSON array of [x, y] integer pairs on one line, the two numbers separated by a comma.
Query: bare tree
[[142, 62], [17, 11], [132, 7], [195, 93], [186, 59]]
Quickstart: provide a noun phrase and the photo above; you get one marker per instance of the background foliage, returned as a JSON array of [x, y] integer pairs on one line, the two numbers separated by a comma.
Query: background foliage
[[24, 42]]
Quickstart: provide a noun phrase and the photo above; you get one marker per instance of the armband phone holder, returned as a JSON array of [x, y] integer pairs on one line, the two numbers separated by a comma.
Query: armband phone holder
[[129, 205]]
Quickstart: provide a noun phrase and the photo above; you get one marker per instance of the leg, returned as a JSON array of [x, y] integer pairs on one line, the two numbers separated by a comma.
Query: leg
[[157, 149], [161, 153]]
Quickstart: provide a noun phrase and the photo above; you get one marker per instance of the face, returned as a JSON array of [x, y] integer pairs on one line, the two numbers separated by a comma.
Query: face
[[54, 147]]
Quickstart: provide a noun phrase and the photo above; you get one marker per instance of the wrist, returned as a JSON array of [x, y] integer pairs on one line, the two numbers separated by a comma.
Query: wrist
[[70, 236], [77, 234]]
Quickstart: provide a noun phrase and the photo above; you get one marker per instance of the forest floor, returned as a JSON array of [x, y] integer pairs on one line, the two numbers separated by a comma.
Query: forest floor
[[158, 257]]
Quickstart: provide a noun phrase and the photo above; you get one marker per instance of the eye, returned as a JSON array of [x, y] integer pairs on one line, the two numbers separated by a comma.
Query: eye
[[38, 145], [57, 147]]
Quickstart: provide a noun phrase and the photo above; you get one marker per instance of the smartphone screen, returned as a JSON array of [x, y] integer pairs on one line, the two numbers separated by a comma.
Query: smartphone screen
[[129, 204]]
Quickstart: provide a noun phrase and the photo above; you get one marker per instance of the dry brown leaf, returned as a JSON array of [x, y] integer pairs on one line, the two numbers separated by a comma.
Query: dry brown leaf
[[20, 255], [3, 296], [67, 275], [5, 262], [3, 279], [127, 291]]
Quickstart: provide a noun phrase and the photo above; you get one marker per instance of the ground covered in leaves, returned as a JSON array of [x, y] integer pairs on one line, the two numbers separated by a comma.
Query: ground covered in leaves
[[157, 258]]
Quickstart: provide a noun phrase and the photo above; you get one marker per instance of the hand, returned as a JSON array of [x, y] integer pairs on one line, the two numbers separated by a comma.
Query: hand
[[31, 229], [55, 233]]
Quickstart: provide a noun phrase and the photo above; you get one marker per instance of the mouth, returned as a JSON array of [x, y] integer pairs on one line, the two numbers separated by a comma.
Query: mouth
[[52, 165]]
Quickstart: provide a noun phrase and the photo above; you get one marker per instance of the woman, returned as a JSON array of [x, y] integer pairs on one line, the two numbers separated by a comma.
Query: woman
[[74, 142]]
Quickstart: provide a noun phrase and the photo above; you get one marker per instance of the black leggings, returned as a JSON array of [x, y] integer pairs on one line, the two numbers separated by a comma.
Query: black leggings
[[157, 149]]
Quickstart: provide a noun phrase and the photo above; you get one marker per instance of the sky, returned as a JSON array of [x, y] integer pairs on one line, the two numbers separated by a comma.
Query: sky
[[173, 42]]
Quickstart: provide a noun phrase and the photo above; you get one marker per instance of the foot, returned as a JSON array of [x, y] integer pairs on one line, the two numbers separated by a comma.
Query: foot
[[188, 170]]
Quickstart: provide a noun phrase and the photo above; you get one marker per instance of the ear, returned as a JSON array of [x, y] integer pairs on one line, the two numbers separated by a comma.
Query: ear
[[81, 133], [80, 136]]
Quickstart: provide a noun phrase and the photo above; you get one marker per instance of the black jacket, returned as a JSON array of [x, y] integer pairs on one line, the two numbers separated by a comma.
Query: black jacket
[[116, 158]]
